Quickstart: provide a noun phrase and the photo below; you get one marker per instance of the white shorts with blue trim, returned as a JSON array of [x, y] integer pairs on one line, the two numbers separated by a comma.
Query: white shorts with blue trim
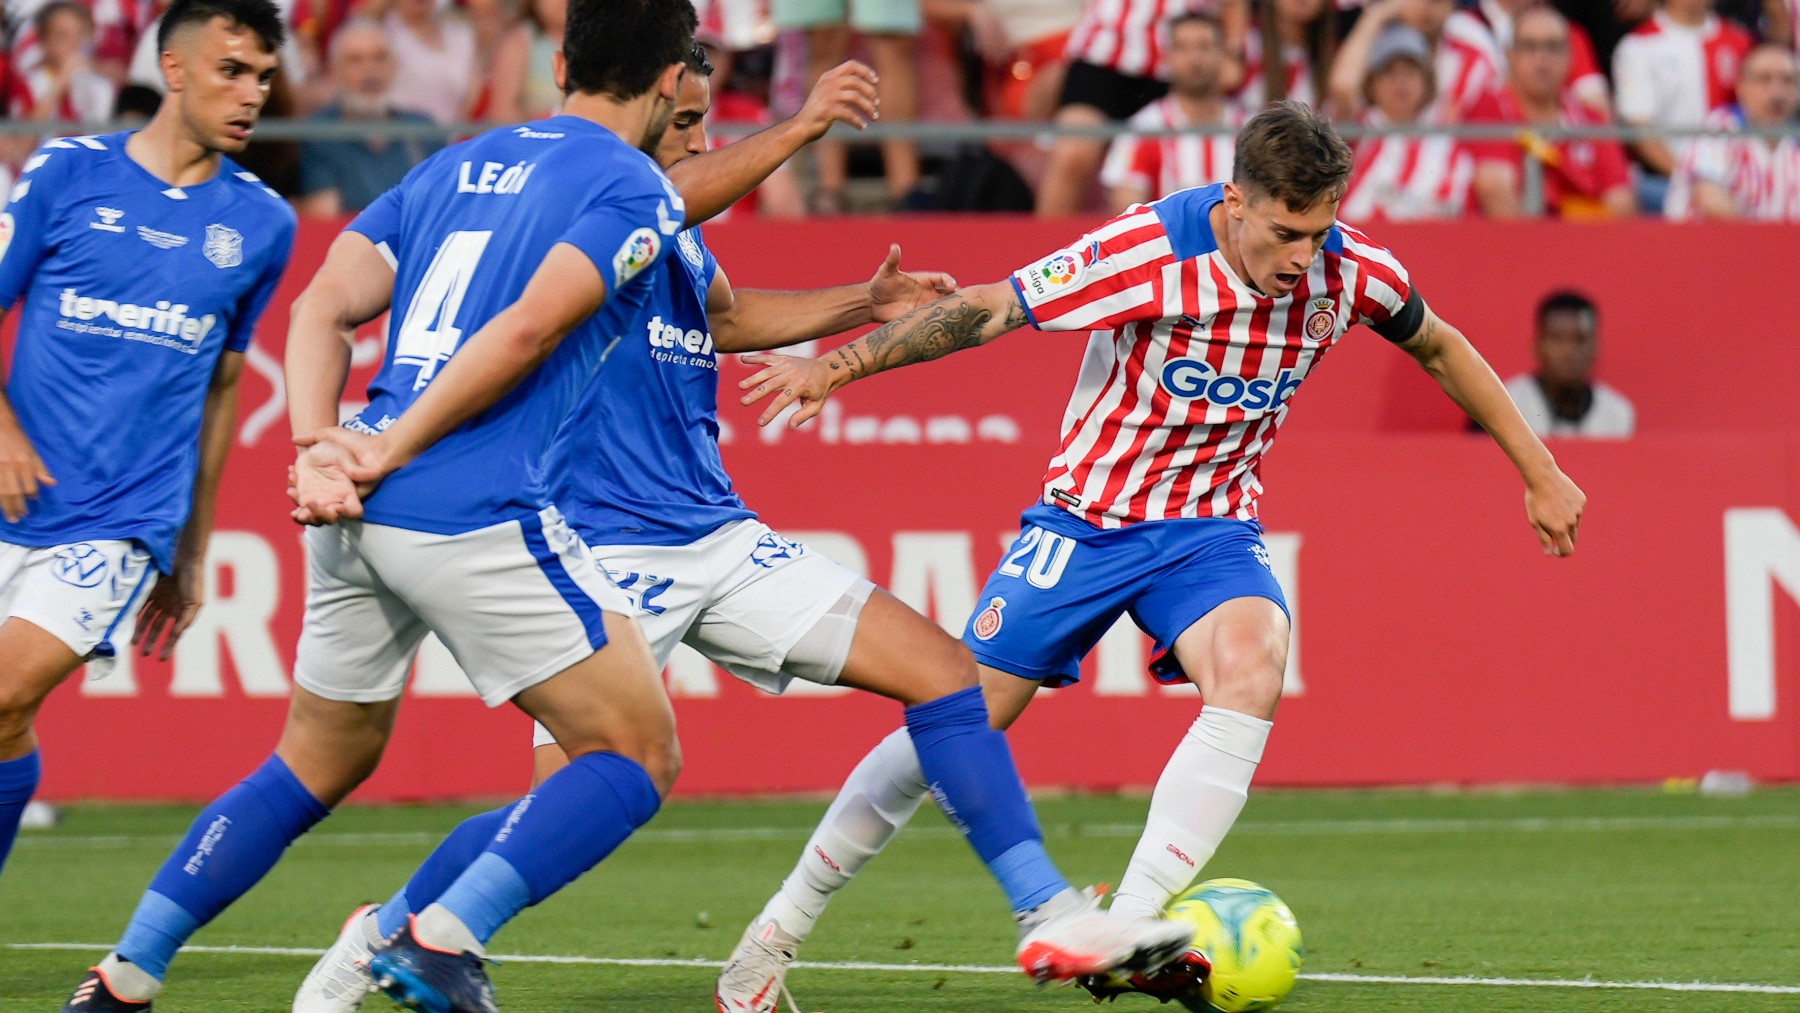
[[515, 603], [747, 598], [85, 594]]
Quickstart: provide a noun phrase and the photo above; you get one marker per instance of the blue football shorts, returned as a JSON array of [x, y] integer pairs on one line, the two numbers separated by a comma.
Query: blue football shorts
[[1065, 582]]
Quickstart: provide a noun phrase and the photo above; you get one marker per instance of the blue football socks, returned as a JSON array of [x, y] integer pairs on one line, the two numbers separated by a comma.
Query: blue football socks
[[229, 848], [456, 853], [969, 768], [575, 819], [18, 782]]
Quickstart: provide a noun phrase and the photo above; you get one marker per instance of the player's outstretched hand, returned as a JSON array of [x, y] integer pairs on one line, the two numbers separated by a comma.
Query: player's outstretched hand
[[793, 380], [844, 94], [1554, 507], [169, 610], [22, 473], [894, 293]]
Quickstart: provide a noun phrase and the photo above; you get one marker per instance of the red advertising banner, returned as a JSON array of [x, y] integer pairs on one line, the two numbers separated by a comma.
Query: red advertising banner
[[1433, 642]]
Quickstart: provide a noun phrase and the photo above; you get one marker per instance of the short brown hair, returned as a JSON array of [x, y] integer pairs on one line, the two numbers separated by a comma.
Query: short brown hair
[[1291, 153]]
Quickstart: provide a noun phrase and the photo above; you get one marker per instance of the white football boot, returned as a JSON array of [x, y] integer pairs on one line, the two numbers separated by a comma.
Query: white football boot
[[755, 978], [1068, 936], [340, 981]]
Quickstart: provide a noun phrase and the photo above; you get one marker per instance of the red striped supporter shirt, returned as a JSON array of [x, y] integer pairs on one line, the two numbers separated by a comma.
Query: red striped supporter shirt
[[1188, 371], [1398, 178], [1162, 165], [1123, 35], [1763, 178]]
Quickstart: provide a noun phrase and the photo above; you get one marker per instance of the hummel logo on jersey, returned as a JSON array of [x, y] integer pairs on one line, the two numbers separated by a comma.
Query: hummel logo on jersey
[[538, 135], [109, 220], [1194, 379]]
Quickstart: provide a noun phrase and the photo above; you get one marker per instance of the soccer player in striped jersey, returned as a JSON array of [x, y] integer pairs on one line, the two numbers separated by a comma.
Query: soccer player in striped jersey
[[1206, 310], [141, 262]]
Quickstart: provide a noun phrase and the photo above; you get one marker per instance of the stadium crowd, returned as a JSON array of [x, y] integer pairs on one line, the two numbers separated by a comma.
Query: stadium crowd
[[1721, 65]]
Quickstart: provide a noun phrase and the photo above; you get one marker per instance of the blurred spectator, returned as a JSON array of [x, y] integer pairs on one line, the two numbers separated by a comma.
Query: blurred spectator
[[1115, 69], [1465, 59], [340, 176], [312, 25], [1585, 82], [63, 86], [1140, 169], [1562, 398], [1670, 72], [1400, 177], [522, 82], [117, 27], [780, 195], [136, 104], [1779, 19], [1746, 177], [434, 60], [1021, 44], [1305, 33], [1582, 178], [890, 29]]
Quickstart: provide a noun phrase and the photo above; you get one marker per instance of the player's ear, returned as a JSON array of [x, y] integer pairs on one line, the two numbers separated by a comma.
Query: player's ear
[[1234, 200], [559, 71], [172, 70], [669, 84]]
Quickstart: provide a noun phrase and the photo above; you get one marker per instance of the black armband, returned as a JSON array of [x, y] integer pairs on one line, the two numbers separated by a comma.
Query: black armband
[[1400, 327]]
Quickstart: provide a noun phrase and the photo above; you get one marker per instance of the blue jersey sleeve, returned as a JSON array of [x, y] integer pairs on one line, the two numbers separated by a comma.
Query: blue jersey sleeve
[[27, 222], [628, 229], [380, 221], [251, 306]]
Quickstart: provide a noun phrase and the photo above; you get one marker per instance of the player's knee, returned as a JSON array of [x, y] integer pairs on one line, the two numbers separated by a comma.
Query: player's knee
[[18, 706], [950, 669], [1249, 666]]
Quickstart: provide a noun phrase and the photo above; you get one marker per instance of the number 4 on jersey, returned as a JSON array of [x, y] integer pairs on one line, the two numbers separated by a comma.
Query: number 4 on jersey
[[428, 331]]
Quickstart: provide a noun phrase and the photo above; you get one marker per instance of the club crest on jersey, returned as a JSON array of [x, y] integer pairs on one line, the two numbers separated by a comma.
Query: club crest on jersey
[[638, 252], [690, 248], [80, 565], [1323, 319], [987, 625], [224, 246]]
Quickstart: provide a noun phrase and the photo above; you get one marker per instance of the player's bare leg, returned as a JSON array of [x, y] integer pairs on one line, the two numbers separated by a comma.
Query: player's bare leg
[[1074, 163], [896, 60], [332, 746], [32, 663], [826, 46], [1236, 655]]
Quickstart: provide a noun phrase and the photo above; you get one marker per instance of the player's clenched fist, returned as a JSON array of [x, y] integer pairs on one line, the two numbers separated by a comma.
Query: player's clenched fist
[[1554, 505], [843, 94], [793, 380], [22, 472]]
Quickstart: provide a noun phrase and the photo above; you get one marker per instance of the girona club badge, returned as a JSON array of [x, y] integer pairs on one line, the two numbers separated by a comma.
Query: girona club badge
[[987, 624], [1323, 319]]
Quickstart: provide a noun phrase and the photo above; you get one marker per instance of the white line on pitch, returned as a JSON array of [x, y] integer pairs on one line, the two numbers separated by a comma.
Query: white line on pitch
[[857, 965], [1274, 828]]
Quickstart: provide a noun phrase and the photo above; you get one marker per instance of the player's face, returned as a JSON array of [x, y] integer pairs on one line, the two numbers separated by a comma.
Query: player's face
[[685, 135], [1769, 87], [668, 89], [1276, 243], [1400, 90], [220, 73], [1195, 59], [1566, 346]]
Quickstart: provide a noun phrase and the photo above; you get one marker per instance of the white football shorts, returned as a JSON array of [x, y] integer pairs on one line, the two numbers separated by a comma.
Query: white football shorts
[[515, 603], [763, 607], [85, 594]]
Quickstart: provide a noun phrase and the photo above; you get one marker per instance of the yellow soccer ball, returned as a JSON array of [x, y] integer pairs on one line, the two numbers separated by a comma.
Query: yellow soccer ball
[[1250, 937]]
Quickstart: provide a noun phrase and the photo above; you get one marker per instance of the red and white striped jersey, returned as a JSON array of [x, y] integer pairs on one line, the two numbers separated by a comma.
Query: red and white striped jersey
[[1162, 165], [1763, 180], [1407, 178], [1124, 35], [1668, 73], [1189, 371], [1297, 67], [1467, 66]]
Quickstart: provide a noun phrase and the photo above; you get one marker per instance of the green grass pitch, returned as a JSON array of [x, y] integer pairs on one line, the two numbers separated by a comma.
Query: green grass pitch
[[1522, 895]]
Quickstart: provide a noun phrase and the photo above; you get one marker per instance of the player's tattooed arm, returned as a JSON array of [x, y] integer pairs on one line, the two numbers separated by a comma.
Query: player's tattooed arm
[[964, 319]]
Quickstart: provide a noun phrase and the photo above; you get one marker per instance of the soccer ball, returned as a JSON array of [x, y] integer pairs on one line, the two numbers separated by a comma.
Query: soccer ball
[[1251, 939]]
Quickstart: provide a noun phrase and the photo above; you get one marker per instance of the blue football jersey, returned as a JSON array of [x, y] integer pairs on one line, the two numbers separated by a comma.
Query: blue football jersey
[[132, 288], [468, 227], [638, 461]]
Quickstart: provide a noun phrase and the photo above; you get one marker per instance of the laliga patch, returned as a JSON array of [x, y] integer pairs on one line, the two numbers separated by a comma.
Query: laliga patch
[[1323, 319], [6, 232], [1055, 272], [987, 624], [639, 252]]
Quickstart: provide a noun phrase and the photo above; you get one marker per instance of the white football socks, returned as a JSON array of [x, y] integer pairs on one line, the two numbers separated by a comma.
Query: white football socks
[[440, 929], [1197, 799], [881, 794], [127, 980]]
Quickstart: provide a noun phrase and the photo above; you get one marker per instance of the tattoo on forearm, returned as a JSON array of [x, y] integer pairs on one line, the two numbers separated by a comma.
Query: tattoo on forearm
[[930, 332]]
